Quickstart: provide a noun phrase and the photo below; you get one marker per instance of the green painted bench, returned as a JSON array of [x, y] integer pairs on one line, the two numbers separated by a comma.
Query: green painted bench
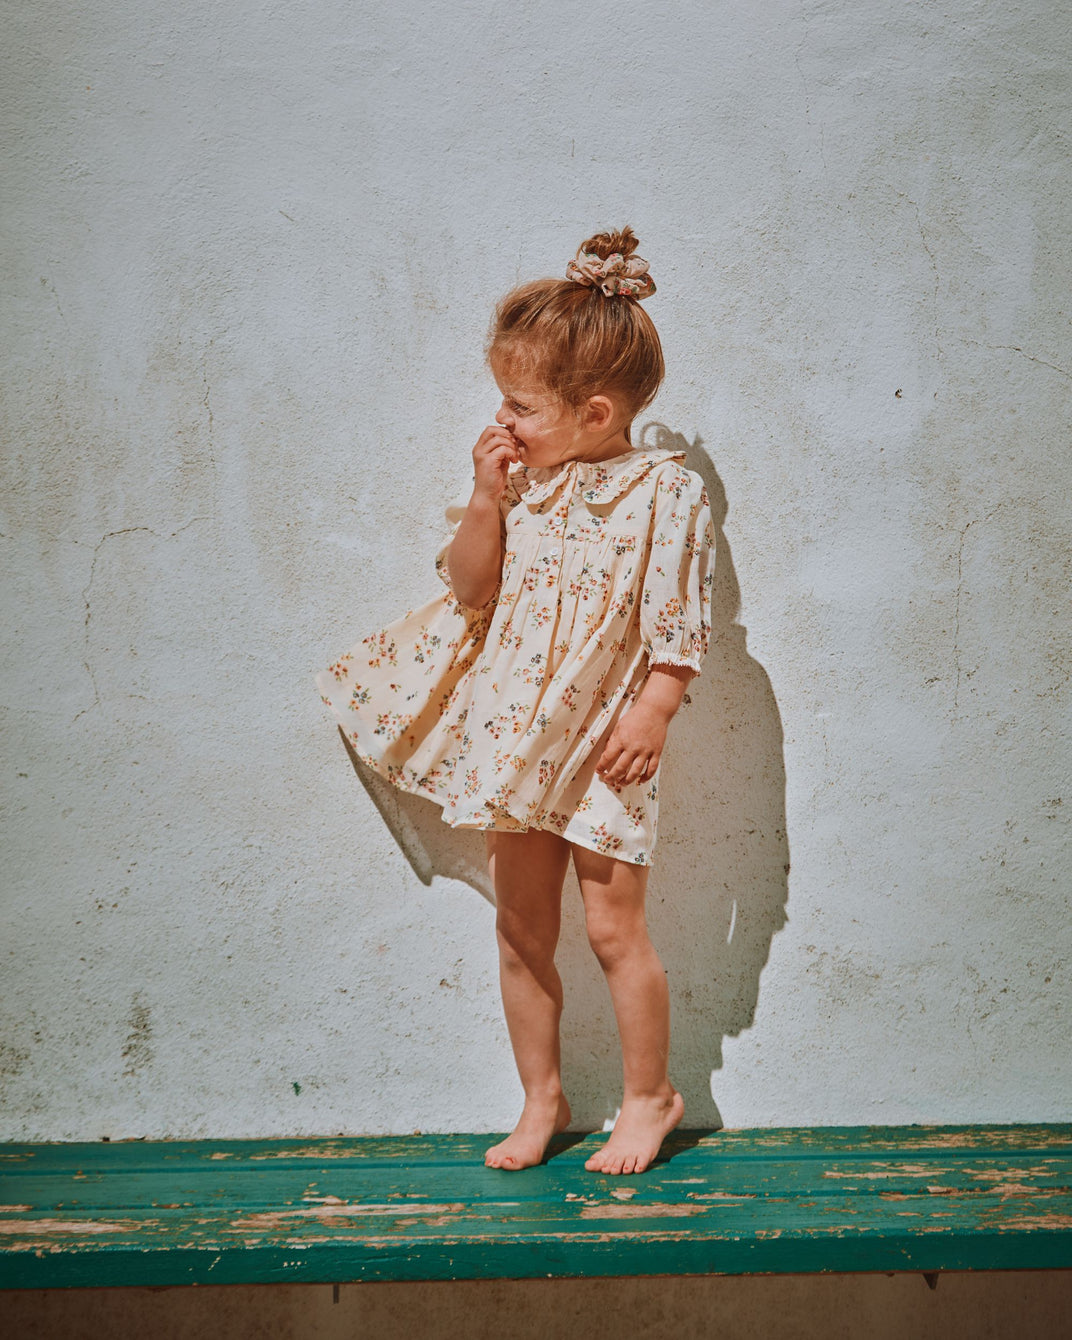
[[731, 1202]]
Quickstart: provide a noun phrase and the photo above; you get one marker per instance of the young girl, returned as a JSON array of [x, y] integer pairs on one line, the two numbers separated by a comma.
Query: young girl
[[532, 699]]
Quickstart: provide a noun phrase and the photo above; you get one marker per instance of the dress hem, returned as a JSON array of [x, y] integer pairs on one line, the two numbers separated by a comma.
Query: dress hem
[[402, 783]]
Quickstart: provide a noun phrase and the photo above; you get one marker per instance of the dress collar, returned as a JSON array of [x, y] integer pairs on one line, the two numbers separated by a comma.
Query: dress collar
[[599, 482]]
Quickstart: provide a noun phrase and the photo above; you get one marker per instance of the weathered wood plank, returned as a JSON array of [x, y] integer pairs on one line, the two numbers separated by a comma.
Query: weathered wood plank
[[425, 1207]]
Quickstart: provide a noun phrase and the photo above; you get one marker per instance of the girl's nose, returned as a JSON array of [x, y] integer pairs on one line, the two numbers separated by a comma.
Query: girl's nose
[[504, 416]]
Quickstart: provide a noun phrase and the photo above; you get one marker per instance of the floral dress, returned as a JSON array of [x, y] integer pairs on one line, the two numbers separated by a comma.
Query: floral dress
[[499, 715]]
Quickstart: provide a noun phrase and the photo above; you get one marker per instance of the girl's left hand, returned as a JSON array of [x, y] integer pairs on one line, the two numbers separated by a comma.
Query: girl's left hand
[[634, 748]]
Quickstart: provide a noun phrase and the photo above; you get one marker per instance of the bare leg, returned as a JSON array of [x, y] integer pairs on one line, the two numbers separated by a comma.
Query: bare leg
[[527, 870], [617, 931]]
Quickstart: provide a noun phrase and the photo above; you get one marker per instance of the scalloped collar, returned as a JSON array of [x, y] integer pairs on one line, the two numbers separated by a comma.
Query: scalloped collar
[[600, 482]]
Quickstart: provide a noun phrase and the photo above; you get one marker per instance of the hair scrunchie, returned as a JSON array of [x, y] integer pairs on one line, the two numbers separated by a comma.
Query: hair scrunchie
[[615, 276]]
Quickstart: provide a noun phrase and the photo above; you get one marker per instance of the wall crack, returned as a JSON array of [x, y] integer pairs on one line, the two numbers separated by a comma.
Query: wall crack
[[87, 593], [1031, 358]]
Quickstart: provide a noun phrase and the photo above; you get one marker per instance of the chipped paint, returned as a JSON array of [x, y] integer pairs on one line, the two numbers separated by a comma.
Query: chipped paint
[[1025, 1223], [1004, 1189], [996, 1174], [271, 1220], [38, 1227], [662, 1210], [878, 1174], [720, 1206]]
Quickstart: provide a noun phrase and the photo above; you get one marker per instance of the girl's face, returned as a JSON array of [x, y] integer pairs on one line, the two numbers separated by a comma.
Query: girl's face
[[548, 432], [545, 430]]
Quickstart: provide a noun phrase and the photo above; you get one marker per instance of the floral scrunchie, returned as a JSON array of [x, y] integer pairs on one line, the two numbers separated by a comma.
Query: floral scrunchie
[[614, 276]]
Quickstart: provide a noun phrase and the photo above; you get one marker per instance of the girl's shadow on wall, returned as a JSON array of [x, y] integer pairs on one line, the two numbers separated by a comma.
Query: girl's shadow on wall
[[719, 887]]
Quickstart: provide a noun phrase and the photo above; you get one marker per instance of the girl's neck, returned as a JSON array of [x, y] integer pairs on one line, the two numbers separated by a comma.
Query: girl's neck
[[607, 448]]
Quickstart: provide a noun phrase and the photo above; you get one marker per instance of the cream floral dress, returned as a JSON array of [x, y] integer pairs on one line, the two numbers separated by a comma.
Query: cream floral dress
[[500, 714]]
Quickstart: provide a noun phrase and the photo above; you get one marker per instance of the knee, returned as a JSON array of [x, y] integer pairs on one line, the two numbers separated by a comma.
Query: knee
[[614, 938], [521, 945]]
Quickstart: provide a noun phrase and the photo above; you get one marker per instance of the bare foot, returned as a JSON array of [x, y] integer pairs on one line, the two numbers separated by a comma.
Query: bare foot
[[642, 1126], [526, 1145]]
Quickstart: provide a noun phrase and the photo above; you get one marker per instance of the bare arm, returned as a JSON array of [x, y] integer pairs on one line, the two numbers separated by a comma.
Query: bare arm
[[636, 743], [475, 556]]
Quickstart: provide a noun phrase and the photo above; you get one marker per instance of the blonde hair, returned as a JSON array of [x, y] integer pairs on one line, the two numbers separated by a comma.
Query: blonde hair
[[576, 342]]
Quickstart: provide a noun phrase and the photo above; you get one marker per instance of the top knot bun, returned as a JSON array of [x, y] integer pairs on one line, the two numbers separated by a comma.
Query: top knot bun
[[605, 245], [607, 262]]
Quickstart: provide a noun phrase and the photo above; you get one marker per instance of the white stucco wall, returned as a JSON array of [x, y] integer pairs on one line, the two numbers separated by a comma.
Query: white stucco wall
[[251, 251]]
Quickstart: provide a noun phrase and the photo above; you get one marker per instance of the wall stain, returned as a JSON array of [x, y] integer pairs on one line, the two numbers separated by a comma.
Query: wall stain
[[12, 1059], [959, 672], [138, 1050]]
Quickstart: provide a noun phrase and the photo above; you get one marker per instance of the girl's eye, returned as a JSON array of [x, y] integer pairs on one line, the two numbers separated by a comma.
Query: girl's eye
[[523, 410]]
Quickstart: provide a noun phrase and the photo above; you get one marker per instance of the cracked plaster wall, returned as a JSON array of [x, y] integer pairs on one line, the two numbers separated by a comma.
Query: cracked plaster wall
[[250, 254]]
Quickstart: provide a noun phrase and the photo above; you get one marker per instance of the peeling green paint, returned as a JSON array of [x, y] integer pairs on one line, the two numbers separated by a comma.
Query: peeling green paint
[[426, 1207]]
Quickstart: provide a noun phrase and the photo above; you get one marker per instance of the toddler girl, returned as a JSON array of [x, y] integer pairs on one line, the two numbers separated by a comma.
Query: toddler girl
[[532, 699]]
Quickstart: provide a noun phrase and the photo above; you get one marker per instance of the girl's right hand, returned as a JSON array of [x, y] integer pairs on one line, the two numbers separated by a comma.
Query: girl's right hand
[[494, 453]]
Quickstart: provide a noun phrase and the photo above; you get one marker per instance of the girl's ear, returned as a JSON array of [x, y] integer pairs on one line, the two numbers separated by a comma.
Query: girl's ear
[[598, 412]]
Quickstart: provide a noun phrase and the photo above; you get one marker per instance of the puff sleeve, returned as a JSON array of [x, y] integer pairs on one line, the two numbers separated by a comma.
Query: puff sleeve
[[675, 606]]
